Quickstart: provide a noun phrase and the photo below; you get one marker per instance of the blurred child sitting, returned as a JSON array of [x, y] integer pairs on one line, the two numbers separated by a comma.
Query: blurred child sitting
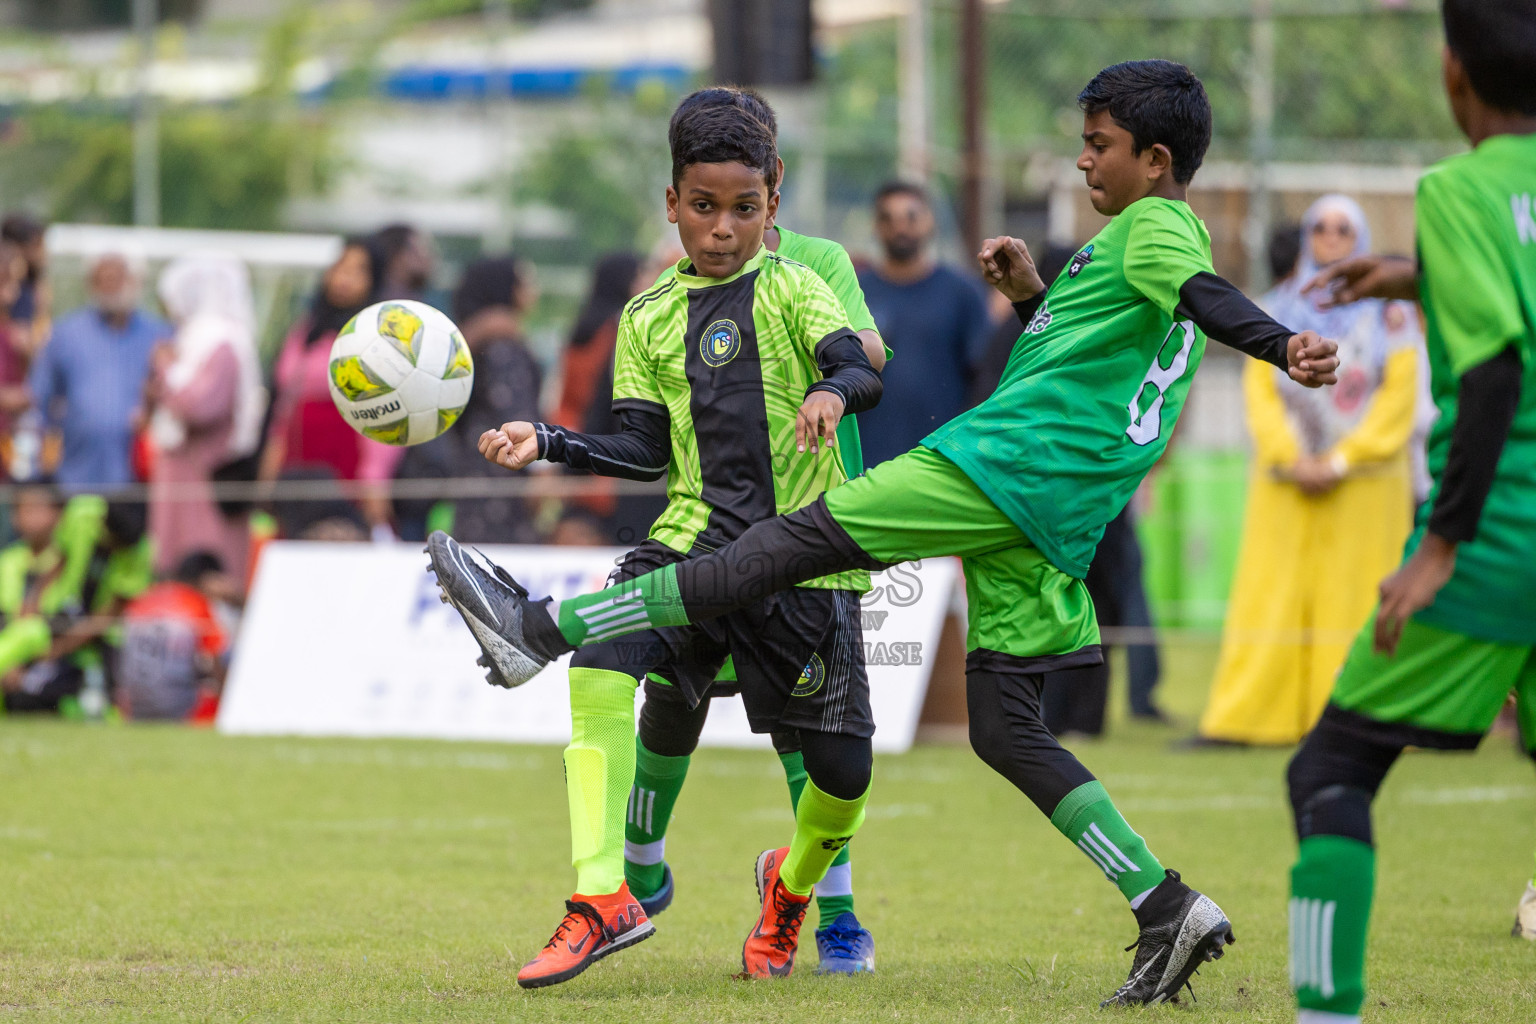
[[63, 586], [175, 647]]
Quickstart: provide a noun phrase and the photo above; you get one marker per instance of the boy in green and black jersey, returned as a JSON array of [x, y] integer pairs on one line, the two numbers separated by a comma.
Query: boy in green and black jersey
[[731, 376], [1022, 486], [669, 725], [1455, 630]]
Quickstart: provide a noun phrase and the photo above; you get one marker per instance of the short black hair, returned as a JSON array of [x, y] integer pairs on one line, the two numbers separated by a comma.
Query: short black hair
[[1495, 40], [21, 228], [191, 569], [1284, 250], [722, 135], [127, 521], [1157, 101], [44, 487], [743, 98], [903, 188]]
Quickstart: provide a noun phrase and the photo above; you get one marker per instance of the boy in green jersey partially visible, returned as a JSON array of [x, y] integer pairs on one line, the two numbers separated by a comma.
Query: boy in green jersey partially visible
[[1455, 630], [730, 377], [1022, 486], [670, 726]]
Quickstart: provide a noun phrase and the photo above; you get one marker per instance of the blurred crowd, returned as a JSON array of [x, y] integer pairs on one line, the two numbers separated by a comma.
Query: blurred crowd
[[151, 451]]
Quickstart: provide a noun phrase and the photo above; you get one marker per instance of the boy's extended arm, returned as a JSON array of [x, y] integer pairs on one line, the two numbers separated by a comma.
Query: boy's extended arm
[[640, 451], [847, 373], [1230, 317]]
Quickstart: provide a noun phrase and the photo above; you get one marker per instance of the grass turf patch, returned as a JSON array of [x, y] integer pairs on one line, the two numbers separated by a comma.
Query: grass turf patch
[[170, 874]]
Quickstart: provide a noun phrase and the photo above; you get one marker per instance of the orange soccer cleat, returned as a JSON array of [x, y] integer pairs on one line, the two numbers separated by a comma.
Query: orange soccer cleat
[[769, 951], [594, 926]]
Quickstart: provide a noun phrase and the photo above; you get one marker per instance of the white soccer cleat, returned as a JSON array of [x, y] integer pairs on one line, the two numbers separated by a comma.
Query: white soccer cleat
[[1525, 915]]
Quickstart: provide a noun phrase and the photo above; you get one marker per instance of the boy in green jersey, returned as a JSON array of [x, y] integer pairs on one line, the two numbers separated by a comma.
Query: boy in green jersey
[[730, 378], [669, 726], [1455, 630], [1022, 486], [63, 586]]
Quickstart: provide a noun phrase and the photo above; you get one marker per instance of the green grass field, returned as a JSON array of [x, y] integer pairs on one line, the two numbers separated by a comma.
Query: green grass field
[[168, 874]]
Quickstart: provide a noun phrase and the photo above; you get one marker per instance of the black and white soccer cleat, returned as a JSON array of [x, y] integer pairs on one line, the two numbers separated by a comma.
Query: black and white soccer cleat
[[517, 637], [1180, 930]]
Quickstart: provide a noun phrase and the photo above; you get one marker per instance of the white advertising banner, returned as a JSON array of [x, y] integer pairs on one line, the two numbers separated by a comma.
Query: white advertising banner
[[351, 640]]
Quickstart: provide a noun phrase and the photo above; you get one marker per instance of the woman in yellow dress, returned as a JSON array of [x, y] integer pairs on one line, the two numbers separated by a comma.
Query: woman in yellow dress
[[1329, 500]]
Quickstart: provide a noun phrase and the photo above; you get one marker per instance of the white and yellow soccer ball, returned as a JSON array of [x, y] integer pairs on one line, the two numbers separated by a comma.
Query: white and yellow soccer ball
[[400, 372]]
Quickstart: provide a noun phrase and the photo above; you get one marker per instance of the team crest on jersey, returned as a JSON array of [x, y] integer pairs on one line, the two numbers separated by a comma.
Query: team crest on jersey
[[811, 677], [721, 342], [1080, 261], [1041, 320]]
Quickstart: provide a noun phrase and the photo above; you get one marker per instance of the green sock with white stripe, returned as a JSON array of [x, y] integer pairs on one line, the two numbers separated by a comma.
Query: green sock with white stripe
[[1087, 816], [1331, 889], [649, 601], [658, 781]]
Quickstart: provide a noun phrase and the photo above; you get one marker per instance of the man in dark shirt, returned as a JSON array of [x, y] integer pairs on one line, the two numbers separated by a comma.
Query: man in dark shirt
[[934, 319]]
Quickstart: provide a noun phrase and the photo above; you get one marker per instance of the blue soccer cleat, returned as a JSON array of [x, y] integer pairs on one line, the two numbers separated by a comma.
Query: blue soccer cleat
[[845, 946], [661, 899]]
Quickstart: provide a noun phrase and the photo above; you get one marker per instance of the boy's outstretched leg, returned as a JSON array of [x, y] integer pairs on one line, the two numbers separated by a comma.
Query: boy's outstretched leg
[[828, 813], [1179, 928], [602, 917], [843, 945], [1333, 779]]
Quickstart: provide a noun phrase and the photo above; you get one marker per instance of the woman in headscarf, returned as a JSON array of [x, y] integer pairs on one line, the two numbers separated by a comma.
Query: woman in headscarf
[[306, 429], [206, 405], [488, 306], [1329, 500]]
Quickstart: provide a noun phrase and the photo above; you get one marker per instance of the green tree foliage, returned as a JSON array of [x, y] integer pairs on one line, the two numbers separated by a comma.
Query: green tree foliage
[[576, 174], [1352, 77], [216, 170]]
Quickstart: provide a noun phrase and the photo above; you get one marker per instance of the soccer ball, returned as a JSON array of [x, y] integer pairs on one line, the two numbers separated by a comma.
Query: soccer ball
[[400, 372]]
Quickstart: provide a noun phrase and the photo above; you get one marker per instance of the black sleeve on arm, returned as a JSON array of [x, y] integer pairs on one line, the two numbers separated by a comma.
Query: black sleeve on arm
[[1228, 316], [1486, 402], [1027, 309], [640, 451], [845, 371]]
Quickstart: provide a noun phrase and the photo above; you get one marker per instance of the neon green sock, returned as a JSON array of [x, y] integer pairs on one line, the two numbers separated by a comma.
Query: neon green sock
[[1087, 816], [1331, 889], [834, 893], [599, 767], [823, 826], [22, 641], [658, 781], [645, 602]]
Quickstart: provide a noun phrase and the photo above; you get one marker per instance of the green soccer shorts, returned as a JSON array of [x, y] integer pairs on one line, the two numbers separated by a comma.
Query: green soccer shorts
[[921, 505], [1441, 689]]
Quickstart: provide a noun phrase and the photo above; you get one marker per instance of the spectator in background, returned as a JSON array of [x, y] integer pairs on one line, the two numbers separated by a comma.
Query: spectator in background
[[63, 586], [408, 261], [206, 402], [622, 519], [589, 348], [488, 307], [15, 340], [1328, 501], [586, 365], [29, 310], [1284, 253], [174, 647], [89, 379], [933, 318], [306, 429]]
